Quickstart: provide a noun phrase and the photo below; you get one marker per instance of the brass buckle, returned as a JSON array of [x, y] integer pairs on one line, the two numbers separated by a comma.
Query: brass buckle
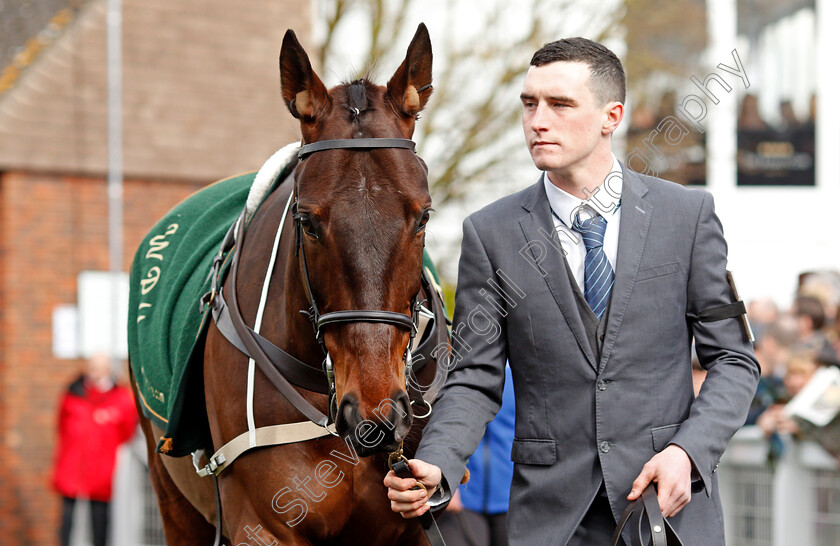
[[397, 455]]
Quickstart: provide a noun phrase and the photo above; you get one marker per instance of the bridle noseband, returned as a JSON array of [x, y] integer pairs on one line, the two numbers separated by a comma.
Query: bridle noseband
[[319, 320]]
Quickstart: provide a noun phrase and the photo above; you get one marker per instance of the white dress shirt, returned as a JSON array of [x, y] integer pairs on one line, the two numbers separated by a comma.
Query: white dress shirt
[[603, 199]]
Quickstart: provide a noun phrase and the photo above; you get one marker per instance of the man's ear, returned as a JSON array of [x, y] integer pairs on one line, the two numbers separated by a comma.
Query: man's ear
[[410, 87], [303, 92], [614, 114]]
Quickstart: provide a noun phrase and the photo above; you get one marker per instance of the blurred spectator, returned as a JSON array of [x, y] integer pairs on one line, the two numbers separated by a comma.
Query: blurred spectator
[[477, 514], [788, 116], [749, 117], [761, 313], [825, 286], [773, 346], [810, 315], [95, 417], [772, 349], [800, 369]]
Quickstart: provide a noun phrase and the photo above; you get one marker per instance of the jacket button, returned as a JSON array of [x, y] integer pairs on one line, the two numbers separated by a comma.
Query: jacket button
[[605, 447], [602, 385]]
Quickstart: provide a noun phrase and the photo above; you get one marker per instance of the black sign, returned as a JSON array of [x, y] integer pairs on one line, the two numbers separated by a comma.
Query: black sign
[[767, 157]]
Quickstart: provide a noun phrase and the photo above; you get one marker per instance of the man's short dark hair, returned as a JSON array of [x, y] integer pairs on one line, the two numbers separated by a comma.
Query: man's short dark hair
[[606, 75]]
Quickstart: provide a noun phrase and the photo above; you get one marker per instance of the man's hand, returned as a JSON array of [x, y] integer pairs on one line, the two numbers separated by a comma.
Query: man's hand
[[408, 502], [773, 419], [671, 471]]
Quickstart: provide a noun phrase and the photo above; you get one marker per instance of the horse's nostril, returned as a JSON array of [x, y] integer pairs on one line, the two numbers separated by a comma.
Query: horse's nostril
[[348, 415], [401, 416], [404, 403], [382, 429]]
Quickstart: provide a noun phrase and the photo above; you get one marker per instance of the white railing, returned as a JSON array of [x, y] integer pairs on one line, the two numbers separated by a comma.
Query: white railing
[[135, 518], [793, 502]]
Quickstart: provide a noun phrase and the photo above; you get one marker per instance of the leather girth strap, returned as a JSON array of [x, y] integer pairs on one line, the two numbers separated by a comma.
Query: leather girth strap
[[427, 520], [646, 508]]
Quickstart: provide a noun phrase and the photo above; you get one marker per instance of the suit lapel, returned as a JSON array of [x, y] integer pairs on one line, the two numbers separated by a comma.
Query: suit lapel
[[632, 234], [540, 234]]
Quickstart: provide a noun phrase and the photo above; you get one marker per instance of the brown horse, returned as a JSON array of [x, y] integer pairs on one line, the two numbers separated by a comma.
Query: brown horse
[[353, 241]]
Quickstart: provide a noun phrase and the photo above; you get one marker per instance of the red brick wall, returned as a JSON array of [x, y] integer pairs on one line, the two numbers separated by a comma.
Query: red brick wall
[[52, 227]]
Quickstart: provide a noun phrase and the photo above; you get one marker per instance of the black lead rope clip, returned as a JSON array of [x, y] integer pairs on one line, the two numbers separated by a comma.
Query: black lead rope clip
[[399, 464]]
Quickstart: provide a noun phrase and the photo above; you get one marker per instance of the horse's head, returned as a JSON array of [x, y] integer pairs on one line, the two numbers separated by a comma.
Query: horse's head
[[361, 222]]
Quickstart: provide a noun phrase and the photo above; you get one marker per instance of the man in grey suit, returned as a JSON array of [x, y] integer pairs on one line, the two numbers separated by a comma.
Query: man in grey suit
[[592, 283]]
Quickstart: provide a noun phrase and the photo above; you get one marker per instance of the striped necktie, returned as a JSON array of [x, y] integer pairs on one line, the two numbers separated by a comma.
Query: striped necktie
[[598, 275]]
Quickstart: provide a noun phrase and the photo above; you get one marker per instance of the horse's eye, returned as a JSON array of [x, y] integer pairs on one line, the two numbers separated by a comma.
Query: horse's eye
[[306, 225], [423, 220]]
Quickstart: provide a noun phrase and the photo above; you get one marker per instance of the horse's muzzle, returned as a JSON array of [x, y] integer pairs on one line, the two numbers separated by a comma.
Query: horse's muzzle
[[381, 432]]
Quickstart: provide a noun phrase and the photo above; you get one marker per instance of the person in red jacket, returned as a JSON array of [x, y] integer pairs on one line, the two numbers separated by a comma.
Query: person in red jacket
[[95, 417]]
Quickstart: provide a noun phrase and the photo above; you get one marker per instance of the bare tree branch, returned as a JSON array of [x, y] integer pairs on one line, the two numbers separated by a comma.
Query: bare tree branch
[[469, 126], [332, 20]]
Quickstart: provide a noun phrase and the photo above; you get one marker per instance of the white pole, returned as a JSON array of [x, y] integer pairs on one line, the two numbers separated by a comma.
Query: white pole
[[115, 167], [828, 117], [721, 134]]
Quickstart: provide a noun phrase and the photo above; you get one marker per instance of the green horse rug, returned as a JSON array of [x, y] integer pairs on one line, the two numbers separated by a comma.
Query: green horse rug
[[169, 275]]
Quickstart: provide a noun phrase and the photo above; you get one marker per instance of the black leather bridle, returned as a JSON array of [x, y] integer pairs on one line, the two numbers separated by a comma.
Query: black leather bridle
[[400, 320]]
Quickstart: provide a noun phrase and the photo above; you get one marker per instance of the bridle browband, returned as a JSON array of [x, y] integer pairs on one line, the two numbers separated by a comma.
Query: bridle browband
[[355, 144]]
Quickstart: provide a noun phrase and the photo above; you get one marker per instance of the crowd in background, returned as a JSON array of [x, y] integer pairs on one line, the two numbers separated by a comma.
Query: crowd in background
[[791, 345]]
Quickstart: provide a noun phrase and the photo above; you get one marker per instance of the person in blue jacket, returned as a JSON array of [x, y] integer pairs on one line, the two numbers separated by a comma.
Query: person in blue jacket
[[479, 518]]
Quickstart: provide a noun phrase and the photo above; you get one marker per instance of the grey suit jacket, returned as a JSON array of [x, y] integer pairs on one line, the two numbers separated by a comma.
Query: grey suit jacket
[[581, 419]]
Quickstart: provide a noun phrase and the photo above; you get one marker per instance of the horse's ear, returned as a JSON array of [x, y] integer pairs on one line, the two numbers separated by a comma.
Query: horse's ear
[[410, 87], [303, 92]]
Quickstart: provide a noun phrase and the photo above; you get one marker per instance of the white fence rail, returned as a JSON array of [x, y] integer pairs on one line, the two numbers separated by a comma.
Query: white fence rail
[[135, 517], [793, 502]]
